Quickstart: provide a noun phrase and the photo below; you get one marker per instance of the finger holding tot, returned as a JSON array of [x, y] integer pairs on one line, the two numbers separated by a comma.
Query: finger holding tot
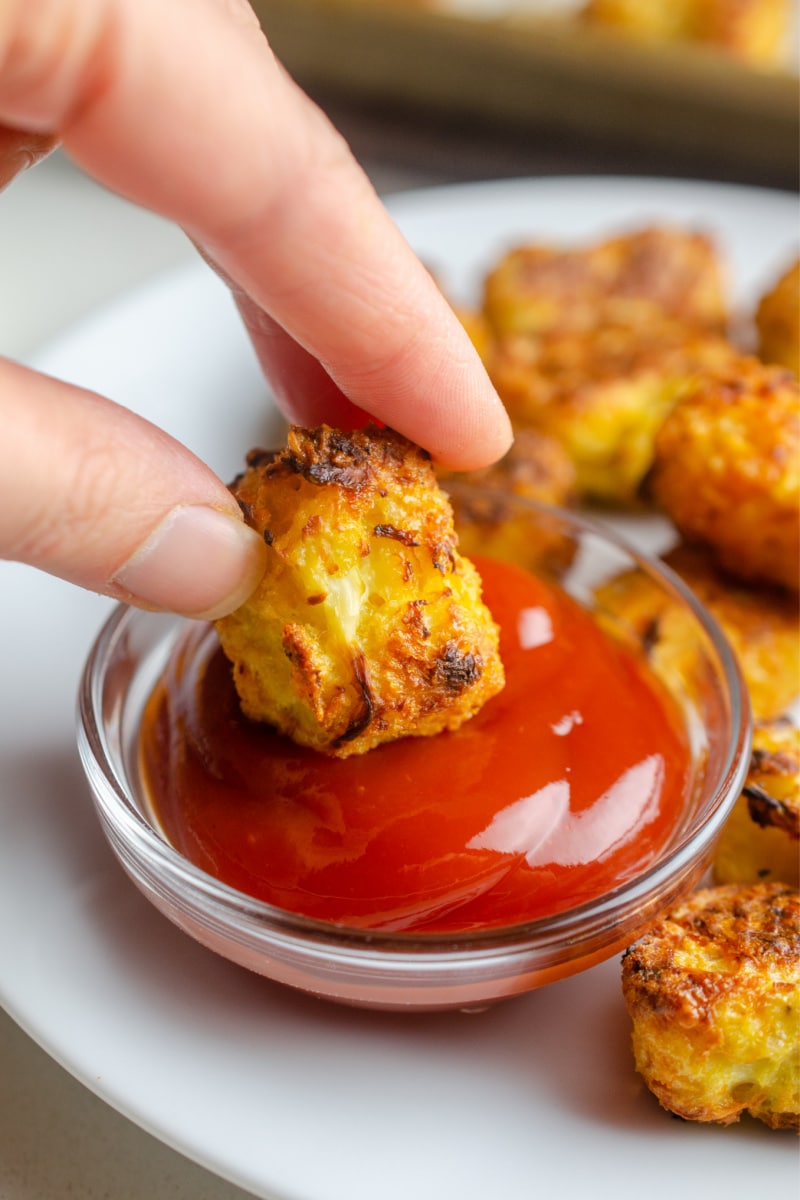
[[183, 109], [103, 498]]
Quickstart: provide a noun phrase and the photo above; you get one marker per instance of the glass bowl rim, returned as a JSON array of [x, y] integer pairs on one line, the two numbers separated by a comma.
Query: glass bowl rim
[[118, 810]]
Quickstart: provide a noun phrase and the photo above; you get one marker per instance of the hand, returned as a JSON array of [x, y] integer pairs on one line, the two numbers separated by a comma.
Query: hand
[[182, 107]]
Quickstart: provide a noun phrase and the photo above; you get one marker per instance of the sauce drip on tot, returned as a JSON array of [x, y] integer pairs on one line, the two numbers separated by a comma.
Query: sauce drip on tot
[[564, 785]]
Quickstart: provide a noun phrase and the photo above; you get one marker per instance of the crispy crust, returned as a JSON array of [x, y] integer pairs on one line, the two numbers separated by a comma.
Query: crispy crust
[[713, 990], [368, 624], [727, 470]]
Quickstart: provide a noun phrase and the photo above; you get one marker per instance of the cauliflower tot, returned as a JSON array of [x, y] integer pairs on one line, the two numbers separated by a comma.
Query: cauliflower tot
[[713, 992], [368, 624], [603, 394], [727, 470], [631, 280]]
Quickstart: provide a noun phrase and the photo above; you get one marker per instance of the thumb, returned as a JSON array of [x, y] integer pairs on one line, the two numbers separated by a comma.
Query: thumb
[[100, 497]]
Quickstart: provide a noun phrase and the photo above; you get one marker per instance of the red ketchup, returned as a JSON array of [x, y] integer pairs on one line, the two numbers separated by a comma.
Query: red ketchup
[[564, 785]]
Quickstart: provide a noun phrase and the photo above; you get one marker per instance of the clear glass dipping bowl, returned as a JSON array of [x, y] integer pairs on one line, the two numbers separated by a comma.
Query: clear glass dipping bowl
[[638, 600]]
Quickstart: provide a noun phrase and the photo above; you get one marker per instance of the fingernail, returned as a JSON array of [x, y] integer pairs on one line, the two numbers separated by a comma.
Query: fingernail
[[198, 562]]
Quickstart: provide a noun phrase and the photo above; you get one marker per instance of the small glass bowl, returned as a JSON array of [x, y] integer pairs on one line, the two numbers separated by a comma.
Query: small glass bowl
[[636, 598]]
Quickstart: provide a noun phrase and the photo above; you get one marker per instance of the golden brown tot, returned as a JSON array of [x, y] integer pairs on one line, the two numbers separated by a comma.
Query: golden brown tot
[[713, 991], [603, 393], [727, 470], [368, 624], [631, 280]]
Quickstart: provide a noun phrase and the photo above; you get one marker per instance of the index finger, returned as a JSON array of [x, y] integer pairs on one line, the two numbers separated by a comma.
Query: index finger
[[183, 108]]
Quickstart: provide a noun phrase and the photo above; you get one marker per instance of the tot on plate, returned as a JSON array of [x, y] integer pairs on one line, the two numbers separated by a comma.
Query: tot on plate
[[727, 470], [713, 992], [761, 838], [604, 394], [368, 624], [630, 281]]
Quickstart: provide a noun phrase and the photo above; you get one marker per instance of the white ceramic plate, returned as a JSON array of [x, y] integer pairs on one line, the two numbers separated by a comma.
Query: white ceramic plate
[[290, 1097]]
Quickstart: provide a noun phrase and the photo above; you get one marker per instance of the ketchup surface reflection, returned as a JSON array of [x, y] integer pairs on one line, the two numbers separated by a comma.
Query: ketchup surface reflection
[[564, 785]]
